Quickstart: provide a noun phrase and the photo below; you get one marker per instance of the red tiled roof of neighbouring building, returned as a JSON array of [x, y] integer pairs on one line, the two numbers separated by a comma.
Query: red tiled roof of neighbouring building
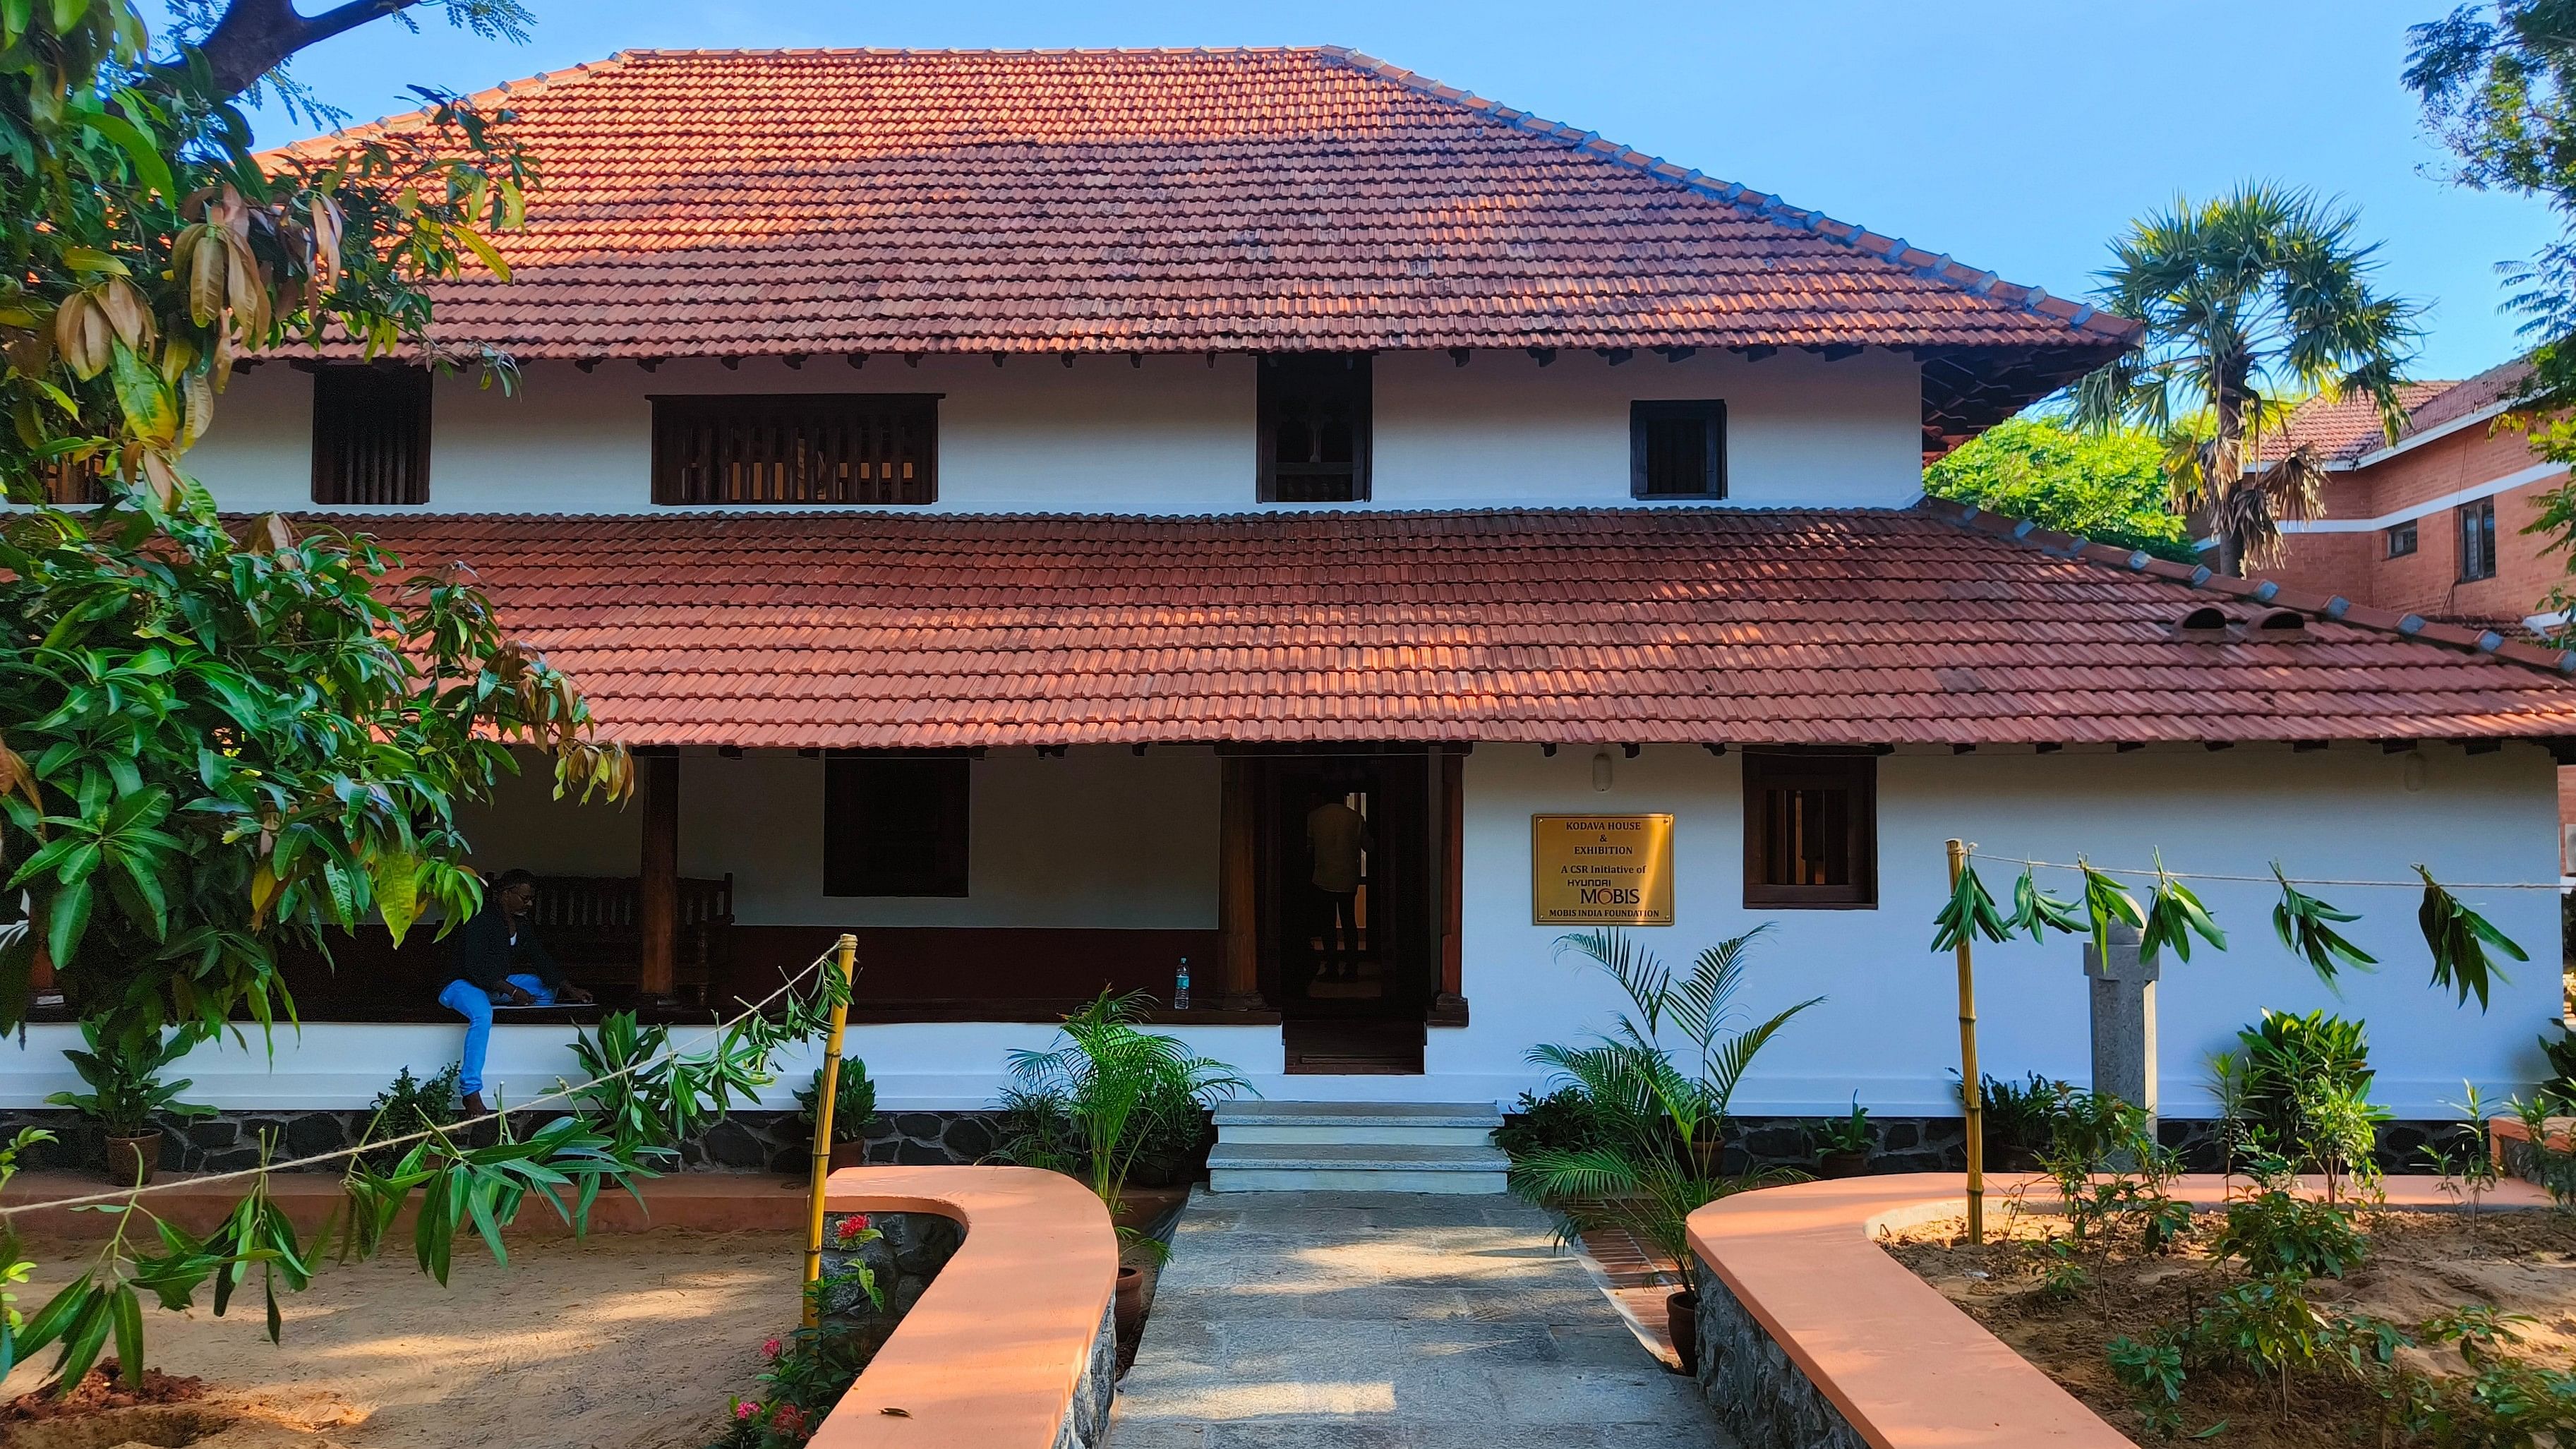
[[2335, 430], [1929, 625], [2460, 399], [873, 201]]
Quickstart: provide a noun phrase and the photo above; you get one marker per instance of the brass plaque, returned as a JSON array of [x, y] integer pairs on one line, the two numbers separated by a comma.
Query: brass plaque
[[1601, 870]]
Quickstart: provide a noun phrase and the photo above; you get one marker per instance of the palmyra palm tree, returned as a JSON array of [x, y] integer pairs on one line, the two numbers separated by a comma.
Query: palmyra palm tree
[[2256, 294]]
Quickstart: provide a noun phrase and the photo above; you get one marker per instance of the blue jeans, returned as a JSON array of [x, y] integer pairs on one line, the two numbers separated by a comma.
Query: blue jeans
[[469, 1001]]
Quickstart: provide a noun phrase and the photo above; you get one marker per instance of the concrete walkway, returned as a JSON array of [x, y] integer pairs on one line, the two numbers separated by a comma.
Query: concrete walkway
[[1330, 1320]]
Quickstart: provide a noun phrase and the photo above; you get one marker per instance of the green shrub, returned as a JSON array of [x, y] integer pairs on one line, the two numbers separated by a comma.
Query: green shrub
[[2021, 1117], [1564, 1120], [2279, 1232], [854, 1101], [126, 1091], [408, 1105]]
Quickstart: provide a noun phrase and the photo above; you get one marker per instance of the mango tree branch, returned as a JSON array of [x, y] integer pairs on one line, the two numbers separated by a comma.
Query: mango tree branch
[[256, 36]]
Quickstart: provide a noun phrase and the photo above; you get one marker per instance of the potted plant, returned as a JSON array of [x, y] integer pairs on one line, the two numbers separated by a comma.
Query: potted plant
[[2019, 1118], [126, 1094], [1845, 1148], [1658, 1088], [854, 1111]]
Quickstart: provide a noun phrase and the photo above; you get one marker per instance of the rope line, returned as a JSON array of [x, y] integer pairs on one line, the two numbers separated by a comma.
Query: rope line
[[560, 1094], [2412, 885]]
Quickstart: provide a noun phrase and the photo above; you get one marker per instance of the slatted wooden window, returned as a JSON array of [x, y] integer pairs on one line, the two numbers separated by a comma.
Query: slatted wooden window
[[1810, 830], [76, 481], [371, 435], [2477, 540], [1677, 449], [894, 826], [1314, 418], [797, 449]]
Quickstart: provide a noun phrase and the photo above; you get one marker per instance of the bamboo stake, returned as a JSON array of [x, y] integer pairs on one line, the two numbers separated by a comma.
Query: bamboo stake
[[1972, 1093], [825, 1092]]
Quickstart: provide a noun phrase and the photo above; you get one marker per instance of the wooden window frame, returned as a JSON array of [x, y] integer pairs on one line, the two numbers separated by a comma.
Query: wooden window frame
[[383, 410], [2477, 518], [2409, 533], [1710, 413], [803, 473], [1768, 770], [846, 871], [1280, 376]]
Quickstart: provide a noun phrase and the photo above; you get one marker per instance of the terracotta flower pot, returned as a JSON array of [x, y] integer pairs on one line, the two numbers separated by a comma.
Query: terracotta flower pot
[[1706, 1152], [1843, 1164], [130, 1160], [1131, 1301], [1681, 1316], [849, 1154]]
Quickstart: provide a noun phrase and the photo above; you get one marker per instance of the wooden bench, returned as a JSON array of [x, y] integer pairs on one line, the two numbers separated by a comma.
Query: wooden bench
[[592, 925]]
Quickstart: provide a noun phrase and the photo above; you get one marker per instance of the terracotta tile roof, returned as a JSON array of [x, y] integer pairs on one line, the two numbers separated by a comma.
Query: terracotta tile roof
[[2463, 398], [1652, 625], [2344, 428], [883, 201]]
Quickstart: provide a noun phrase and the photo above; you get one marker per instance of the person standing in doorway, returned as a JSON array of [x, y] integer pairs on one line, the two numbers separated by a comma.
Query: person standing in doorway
[[498, 959], [1337, 837]]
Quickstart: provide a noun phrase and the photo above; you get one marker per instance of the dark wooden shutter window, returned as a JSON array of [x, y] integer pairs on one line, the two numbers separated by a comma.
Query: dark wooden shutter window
[[894, 826], [797, 449], [76, 481], [1314, 413], [1677, 449], [1810, 830], [371, 435]]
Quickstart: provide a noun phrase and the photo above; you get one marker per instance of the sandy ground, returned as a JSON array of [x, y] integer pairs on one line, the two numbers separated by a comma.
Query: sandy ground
[[622, 1341], [2419, 1264]]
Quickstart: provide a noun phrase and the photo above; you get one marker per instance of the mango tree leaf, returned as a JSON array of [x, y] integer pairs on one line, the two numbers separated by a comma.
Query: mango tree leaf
[[2459, 938]]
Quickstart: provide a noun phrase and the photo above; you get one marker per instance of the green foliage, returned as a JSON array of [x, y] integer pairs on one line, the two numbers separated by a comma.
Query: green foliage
[[2035, 911], [1969, 913], [2248, 299], [2561, 1052], [1110, 1083], [1659, 1083], [2107, 901], [2063, 1276], [2109, 487], [409, 1105], [1562, 1121], [649, 1098], [2277, 1231], [809, 1369], [2152, 1372], [2305, 1095], [1846, 1135], [2459, 938], [2023, 1115], [126, 1091], [854, 1101], [2110, 1171], [2306, 926], [2174, 916]]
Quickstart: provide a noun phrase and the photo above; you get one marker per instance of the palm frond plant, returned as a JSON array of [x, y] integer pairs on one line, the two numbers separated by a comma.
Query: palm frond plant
[[1110, 1085], [1659, 1083]]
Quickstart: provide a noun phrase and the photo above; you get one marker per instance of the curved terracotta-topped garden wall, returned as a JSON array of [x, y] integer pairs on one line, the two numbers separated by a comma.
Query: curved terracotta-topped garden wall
[[1811, 1335], [1011, 1346]]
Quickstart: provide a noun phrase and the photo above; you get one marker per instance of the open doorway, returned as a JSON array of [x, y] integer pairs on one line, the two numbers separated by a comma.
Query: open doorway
[[1345, 871]]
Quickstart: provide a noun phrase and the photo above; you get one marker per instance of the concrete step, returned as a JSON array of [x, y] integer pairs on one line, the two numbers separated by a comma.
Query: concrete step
[[1235, 1166], [1257, 1112]]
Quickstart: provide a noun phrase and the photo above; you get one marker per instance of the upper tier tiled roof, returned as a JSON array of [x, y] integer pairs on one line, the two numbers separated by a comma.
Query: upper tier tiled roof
[[711, 203], [873, 629], [2335, 430]]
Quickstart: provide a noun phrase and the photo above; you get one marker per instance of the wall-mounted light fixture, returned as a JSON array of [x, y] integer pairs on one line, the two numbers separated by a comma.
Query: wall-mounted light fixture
[[1601, 770]]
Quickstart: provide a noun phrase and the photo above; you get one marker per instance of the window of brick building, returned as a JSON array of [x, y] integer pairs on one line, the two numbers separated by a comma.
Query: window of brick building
[[1314, 416], [1810, 830], [796, 449], [2401, 539], [2477, 540]]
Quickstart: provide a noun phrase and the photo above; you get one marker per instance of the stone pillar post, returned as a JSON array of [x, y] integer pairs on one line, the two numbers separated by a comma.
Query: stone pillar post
[[2124, 1021]]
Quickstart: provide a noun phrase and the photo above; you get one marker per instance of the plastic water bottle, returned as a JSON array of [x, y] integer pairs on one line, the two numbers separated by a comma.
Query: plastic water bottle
[[1181, 986]]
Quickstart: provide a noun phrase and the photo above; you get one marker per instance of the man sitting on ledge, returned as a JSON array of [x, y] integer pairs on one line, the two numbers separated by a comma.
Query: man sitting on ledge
[[497, 960]]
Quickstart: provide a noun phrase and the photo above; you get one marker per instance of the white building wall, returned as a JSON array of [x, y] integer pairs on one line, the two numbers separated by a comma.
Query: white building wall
[[1175, 435], [1888, 1028]]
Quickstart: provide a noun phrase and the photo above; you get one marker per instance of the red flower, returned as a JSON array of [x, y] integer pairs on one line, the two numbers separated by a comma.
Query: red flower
[[852, 1226], [771, 1349], [746, 1411], [788, 1420]]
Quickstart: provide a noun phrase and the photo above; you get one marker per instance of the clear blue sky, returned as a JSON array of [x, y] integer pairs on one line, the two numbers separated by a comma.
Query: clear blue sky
[[2015, 136]]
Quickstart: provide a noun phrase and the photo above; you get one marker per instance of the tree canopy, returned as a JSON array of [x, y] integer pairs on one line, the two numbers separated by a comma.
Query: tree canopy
[[2109, 486]]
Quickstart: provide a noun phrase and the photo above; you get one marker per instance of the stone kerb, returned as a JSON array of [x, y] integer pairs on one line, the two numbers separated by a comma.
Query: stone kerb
[[1812, 1337], [1001, 1333]]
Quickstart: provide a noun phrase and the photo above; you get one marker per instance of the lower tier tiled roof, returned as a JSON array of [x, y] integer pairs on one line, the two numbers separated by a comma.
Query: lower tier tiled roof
[[1709, 626]]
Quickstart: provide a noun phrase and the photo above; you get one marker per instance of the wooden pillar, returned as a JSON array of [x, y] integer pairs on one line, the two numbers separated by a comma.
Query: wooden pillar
[[657, 900], [1239, 976], [1449, 1006]]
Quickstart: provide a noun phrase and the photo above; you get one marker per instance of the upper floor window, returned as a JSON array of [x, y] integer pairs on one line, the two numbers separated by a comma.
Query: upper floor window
[[1314, 411], [2402, 539], [796, 448], [1677, 449], [1810, 830], [894, 826], [72, 481], [371, 435], [2477, 540]]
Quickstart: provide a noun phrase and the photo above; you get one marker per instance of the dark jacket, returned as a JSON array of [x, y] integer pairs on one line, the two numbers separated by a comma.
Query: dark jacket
[[483, 953]]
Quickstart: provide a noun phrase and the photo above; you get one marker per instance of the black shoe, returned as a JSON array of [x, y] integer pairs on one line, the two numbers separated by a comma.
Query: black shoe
[[474, 1104]]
